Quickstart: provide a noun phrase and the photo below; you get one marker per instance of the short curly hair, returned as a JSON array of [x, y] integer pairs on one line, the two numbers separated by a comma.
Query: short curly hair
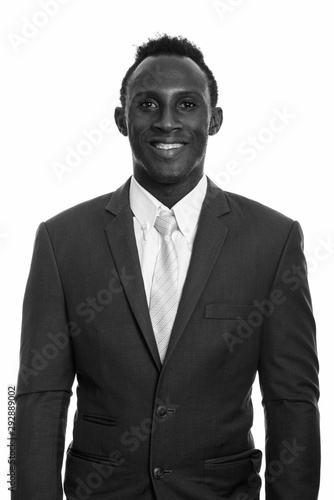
[[173, 46]]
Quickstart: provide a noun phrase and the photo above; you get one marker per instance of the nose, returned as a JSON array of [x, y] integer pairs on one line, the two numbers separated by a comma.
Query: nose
[[167, 120]]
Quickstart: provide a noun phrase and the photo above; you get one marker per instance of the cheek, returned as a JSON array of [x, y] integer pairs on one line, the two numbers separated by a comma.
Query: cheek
[[134, 132], [137, 128], [199, 124], [201, 135]]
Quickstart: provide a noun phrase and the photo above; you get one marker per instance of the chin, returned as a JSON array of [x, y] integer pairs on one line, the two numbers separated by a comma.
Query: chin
[[168, 176]]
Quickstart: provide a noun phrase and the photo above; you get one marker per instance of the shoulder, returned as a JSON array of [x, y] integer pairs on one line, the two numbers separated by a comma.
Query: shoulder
[[262, 227], [243, 208], [95, 211], [253, 210], [249, 217], [84, 211]]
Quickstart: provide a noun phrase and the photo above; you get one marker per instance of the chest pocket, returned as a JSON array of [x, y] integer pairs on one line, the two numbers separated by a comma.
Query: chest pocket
[[235, 325], [234, 312]]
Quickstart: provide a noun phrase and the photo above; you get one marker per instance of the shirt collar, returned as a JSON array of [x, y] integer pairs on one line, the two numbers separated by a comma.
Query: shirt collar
[[146, 207]]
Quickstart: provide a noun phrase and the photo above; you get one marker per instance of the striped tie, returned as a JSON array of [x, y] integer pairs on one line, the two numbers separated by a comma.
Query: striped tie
[[164, 296]]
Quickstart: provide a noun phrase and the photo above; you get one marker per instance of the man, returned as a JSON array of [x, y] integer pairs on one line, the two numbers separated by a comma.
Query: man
[[165, 298]]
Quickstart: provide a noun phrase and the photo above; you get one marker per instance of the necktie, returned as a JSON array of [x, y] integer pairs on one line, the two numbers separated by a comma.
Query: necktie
[[164, 296]]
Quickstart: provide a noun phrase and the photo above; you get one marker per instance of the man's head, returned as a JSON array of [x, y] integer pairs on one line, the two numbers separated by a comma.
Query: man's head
[[176, 46], [169, 99]]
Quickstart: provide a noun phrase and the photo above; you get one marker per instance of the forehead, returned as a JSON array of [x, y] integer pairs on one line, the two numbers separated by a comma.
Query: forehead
[[168, 73]]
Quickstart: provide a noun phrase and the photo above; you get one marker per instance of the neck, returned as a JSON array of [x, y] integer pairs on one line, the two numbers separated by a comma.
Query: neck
[[168, 193]]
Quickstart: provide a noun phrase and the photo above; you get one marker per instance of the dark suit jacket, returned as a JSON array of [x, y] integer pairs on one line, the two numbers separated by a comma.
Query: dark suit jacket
[[182, 430]]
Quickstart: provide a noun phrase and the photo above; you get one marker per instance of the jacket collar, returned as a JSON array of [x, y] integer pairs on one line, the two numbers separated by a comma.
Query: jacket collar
[[215, 199]]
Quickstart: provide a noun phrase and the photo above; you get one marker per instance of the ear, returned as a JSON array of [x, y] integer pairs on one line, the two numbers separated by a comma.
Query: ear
[[121, 120], [216, 120]]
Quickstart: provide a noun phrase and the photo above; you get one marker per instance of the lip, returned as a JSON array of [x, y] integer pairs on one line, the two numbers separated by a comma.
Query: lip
[[167, 146], [167, 153], [170, 152], [167, 140]]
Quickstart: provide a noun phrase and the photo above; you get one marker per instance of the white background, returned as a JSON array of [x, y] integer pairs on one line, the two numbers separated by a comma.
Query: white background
[[64, 79]]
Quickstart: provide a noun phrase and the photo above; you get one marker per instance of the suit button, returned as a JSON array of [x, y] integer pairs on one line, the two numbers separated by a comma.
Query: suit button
[[158, 473], [161, 411]]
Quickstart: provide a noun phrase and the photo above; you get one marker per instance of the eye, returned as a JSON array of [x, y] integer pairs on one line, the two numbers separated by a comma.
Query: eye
[[148, 105], [188, 104]]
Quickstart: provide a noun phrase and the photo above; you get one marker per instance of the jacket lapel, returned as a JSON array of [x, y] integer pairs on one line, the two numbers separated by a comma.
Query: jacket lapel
[[122, 243], [210, 229]]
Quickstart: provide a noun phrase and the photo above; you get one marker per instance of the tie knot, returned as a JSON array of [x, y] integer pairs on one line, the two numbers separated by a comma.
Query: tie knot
[[165, 223]]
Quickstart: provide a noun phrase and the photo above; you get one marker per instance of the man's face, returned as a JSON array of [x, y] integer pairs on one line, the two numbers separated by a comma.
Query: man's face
[[167, 117]]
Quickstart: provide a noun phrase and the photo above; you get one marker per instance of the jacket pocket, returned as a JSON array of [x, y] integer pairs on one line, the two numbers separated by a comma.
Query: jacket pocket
[[254, 455], [222, 311], [99, 419], [90, 457], [235, 476]]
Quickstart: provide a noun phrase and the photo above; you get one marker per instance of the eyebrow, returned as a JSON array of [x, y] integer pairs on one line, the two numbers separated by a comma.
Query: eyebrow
[[154, 93]]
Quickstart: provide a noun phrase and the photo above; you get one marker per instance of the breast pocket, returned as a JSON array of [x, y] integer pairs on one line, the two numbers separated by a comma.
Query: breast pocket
[[234, 323], [232, 312]]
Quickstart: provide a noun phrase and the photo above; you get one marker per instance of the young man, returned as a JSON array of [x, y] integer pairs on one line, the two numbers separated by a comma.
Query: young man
[[165, 298]]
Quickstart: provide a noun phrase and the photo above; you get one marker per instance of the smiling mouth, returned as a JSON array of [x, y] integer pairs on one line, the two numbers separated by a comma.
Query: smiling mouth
[[163, 145]]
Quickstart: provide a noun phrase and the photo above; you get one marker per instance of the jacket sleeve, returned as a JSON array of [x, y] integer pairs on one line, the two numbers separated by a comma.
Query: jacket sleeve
[[288, 374], [45, 379]]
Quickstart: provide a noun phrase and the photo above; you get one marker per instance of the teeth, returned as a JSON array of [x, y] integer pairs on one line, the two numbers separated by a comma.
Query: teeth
[[162, 145]]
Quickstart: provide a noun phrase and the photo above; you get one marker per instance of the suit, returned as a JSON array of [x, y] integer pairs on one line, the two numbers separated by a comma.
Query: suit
[[181, 430]]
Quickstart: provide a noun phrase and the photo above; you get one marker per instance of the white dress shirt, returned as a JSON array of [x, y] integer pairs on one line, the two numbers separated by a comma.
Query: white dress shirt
[[145, 208]]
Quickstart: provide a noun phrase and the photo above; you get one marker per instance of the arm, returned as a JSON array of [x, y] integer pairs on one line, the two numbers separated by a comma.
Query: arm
[[45, 379], [288, 373]]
